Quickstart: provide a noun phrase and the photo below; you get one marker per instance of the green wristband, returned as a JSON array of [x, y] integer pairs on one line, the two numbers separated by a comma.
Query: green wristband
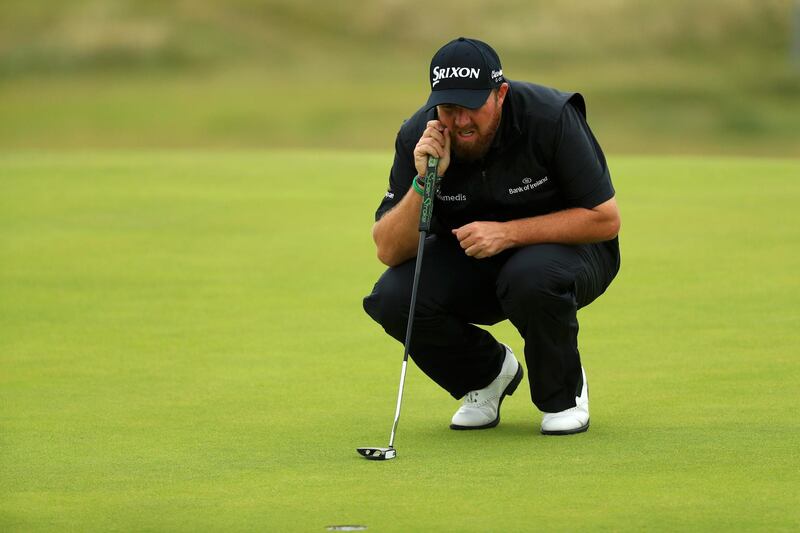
[[417, 187]]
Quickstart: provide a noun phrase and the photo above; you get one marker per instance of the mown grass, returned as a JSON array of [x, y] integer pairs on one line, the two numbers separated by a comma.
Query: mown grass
[[182, 347], [677, 77]]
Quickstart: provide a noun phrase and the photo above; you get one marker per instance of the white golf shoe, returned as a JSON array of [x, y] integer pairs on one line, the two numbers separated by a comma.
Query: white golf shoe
[[572, 420], [481, 408]]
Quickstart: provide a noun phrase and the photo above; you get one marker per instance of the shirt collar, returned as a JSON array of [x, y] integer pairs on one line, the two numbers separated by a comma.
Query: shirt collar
[[509, 128]]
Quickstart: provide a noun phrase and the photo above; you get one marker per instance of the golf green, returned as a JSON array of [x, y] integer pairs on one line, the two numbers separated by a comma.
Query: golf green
[[182, 348]]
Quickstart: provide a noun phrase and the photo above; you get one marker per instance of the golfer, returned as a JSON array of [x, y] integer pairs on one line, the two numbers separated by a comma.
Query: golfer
[[524, 228]]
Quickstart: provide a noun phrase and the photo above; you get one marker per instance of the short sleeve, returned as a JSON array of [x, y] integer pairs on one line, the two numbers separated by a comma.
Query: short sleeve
[[400, 178], [579, 163]]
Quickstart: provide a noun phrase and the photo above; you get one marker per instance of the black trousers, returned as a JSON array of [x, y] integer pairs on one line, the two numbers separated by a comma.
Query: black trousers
[[539, 288]]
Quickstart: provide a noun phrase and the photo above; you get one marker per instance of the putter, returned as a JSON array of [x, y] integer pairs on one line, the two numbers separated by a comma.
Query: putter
[[425, 214]]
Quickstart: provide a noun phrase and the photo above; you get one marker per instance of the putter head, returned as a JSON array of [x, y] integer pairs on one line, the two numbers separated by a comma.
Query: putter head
[[377, 454]]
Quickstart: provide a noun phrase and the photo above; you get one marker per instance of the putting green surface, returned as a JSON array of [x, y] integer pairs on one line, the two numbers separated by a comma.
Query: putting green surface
[[182, 348]]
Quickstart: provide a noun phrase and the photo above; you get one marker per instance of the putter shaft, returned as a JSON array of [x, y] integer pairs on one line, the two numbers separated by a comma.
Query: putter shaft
[[425, 217], [407, 343]]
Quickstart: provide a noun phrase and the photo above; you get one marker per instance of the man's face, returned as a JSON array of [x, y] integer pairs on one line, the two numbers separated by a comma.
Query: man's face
[[472, 130]]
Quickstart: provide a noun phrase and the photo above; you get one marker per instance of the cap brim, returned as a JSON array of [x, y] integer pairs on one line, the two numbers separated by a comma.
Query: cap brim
[[471, 98]]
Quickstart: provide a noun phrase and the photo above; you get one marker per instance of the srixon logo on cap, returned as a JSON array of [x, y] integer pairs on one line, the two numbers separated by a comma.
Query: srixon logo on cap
[[440, 74]]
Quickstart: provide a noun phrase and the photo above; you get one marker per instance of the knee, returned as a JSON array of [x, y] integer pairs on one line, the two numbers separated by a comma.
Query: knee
[[388, 302], [537, 279], [529, 288]]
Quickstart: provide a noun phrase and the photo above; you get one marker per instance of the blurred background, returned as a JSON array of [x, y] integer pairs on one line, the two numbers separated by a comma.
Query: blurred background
[[668, 77]]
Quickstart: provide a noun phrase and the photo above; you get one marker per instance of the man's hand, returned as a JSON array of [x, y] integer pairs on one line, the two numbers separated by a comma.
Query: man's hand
[[575, 225], [435, 141], [483, 239]]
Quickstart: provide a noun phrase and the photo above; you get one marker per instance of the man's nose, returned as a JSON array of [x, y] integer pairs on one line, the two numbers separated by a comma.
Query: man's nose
[[462, 117]]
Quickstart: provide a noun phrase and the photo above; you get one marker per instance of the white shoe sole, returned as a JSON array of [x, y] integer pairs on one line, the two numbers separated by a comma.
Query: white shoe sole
[[566, 431]]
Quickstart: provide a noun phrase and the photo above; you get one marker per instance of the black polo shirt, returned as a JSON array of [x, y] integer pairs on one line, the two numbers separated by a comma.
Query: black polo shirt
[[544, 158]]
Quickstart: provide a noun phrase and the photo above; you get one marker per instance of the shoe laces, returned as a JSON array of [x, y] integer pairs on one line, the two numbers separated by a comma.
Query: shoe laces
[[472, 397]]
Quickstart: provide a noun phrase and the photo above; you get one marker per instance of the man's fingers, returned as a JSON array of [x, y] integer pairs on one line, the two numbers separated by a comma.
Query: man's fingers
[[474, 241], [429, 147], [463, 232], [465, 238], [435, 130], [474, 251], [438, 135], [435, 124], [460, 233], [435, 141], [444, 162]]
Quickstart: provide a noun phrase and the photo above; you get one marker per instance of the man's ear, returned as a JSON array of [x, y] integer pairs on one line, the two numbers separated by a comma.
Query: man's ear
[[501, 93]]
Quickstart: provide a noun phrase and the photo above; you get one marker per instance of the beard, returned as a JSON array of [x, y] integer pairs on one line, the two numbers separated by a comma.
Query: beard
[[477, 148]]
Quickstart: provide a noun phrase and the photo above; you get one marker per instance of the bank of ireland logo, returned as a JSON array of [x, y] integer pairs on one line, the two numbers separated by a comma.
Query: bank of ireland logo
[[528, 184]]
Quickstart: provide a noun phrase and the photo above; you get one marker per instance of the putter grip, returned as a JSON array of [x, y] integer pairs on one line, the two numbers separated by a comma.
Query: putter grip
[[426, 212]]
